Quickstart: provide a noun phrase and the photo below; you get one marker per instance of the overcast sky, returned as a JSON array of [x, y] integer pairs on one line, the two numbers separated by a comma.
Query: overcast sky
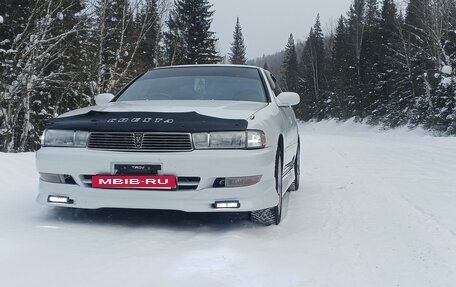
[[267, 24]]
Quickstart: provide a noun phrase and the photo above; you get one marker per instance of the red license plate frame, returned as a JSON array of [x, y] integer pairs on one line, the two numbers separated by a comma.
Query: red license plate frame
[[150, 182]]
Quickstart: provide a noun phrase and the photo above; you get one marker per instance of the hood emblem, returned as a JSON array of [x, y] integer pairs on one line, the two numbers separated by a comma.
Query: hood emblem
[[138, 140], [141, 120]]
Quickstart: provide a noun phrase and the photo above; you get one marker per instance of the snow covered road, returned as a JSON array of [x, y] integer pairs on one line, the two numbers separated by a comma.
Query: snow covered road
[[375, 209]]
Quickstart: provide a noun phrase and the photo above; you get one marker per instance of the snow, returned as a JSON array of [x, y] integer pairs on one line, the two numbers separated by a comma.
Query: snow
[[446, 81], [448, 70], [4, 42], [376, 208]]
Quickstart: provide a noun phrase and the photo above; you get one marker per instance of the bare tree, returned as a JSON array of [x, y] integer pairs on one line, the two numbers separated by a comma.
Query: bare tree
[[113, 72], [37, 59], [31, 52]]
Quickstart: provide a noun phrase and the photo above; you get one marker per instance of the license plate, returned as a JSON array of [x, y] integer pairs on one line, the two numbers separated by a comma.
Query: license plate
[[160, 182], [136, 169]]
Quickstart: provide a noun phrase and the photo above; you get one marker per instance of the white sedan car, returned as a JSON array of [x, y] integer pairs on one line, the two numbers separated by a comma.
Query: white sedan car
[[200, 138]]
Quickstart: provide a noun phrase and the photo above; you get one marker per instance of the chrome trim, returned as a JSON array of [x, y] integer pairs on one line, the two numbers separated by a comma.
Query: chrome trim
[[129, 142]]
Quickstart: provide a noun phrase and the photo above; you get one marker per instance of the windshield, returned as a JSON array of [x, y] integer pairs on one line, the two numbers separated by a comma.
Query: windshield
[[197, 83]]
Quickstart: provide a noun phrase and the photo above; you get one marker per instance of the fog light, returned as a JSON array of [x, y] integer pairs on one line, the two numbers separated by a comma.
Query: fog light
[[59, 199], [236, 181], [49, 177], [242, 181], [226, 204], [57, 178]]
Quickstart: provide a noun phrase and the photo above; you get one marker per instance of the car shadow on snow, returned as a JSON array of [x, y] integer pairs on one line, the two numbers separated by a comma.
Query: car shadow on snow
[[149, 218]]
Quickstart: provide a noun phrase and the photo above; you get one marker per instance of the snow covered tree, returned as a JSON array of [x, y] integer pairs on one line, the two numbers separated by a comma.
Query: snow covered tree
[[369, 63], [114, 23], [68, 90], [290, 66], [53, 58], [394, 101], [384, 67], [237, 55], [37, 42], [427, 24], [124, 30], [414, 41], [450, 69], [442, 52]]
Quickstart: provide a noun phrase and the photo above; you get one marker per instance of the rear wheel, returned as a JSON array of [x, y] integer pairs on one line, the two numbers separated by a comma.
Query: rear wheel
[[273, 215]]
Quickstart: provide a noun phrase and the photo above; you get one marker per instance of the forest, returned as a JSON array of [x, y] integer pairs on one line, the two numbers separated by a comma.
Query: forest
[[381, 64]]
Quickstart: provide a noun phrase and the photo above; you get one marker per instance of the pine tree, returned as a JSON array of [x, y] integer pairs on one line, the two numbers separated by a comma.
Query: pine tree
[[266, 66], [395, 94], [174, 47], [312, 84], [450, 50], [199, 38], [443, 93], [416, 30], [290, 66], [189, 39], [339, 73], [425, 25], [369, 63], [356, 28], [415, 19], [237, 55]]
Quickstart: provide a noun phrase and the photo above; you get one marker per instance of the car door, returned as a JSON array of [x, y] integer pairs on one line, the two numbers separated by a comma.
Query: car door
[[290, 126]]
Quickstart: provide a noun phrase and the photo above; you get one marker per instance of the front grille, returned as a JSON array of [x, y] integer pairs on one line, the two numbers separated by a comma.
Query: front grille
[[140, 141], [183, 182]]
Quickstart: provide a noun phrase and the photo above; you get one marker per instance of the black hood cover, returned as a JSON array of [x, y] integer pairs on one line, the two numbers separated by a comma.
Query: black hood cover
[[145, 122]]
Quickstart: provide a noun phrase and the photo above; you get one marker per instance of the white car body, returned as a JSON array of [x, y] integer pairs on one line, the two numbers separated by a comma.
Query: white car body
[[275, 119]]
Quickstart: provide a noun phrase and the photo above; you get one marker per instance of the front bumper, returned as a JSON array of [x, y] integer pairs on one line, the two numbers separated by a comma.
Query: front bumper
[[208, 165]]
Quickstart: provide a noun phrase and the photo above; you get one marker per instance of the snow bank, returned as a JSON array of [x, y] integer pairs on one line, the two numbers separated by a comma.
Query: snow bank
[[353, 127]]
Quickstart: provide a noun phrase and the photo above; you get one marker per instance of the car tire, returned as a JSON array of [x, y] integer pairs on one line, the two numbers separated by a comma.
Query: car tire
[[297, 170], [273, 215]]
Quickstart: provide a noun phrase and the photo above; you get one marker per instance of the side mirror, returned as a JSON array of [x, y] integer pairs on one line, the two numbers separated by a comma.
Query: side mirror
[[103, 99], [287, 99]]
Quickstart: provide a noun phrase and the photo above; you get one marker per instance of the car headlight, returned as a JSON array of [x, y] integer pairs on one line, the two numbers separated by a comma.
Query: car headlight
[[229, 140], [65, 138]]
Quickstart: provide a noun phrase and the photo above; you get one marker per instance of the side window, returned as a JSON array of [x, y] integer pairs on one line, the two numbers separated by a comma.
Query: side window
[[273, 82]]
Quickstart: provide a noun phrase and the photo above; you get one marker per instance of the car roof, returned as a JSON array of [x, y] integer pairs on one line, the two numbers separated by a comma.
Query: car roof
[[208, 65]]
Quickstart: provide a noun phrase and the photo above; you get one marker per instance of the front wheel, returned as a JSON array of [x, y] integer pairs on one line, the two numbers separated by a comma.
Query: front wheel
[[273, 215]]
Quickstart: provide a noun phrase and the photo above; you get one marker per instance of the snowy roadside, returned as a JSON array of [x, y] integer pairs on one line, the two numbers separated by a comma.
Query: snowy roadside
[[376, 208]]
